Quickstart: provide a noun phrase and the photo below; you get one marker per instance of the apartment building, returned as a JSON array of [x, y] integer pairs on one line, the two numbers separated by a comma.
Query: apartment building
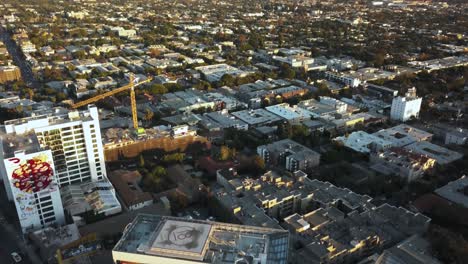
[[9, 73], [406, 107], [74, 139], [289, 154], [29, 176]]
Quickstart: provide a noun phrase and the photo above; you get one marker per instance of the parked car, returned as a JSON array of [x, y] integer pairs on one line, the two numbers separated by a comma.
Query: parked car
[[16, 257]]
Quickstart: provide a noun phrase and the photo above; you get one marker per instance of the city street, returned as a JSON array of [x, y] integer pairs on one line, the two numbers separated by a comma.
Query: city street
[[17, 56], [9, 243], [11, 238]]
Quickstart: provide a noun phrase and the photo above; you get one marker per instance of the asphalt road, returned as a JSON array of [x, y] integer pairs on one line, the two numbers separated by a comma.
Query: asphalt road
[[8, 244], [11, 239], [18, 59]]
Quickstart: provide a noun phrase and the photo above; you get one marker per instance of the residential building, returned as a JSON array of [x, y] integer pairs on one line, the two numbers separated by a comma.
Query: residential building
[[221, 120], [289, 154], [334, 224], [294, 61], [9, 74], [403, 135], [98, 196], [30, 179], [165, 240], [257, 117], [455, 191], [347, 80], [126, 183], [318, 109], [415, 250], [292, 114], [214, 73], [74, 139], [457, 136], [406, 107], [405, 163], [363, 142], [341, 107], [440, 154]]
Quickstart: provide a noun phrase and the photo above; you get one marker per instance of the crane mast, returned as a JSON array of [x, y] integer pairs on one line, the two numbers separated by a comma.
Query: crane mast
[[130, 86]]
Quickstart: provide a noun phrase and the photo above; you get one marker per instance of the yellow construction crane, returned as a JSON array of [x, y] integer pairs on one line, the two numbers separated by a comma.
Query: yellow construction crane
[[130, 86]]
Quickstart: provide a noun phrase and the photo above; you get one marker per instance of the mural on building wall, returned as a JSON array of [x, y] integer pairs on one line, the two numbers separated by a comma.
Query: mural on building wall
[[29, 174]]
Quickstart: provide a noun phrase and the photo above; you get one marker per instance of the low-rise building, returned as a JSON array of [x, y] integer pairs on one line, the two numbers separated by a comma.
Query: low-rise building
[[408, 165], [221, 120], [257, 117], [403, 135], [292, 114], [162, 239], [341, 107], [289, 154], [363, 142], [214, 73], [455, 191], [9, 73], [341, 78], [440, 154], [98, 196], [126, 183]]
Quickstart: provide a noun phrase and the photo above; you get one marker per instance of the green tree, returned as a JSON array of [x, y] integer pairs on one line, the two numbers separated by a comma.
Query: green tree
[[157, 88], [287, 72], [149, 115], [259, 163], [224, 153], [226, 80]]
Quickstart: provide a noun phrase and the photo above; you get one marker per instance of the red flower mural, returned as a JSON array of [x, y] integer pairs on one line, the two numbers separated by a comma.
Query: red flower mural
[[33, 175]]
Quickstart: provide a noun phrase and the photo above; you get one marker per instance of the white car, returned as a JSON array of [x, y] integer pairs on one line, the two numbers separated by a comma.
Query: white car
[[16, 257]]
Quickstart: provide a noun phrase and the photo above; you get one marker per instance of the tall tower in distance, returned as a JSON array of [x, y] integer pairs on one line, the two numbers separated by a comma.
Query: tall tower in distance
[[406, 107]]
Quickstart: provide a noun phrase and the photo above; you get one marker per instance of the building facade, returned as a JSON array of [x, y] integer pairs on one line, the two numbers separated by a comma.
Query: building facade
[[29, 177], [74, 139], [9, 73], [289, 154]]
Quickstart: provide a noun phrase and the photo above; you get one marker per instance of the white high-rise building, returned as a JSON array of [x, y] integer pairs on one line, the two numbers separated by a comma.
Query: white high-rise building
[[74, 139], [403, 108], [29, 176]]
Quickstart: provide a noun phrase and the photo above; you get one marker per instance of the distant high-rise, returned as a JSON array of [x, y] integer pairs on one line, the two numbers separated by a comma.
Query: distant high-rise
[[406, 107]]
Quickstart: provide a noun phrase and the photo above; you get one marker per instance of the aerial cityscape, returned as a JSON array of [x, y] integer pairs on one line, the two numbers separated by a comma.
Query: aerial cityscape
[[234, 132]]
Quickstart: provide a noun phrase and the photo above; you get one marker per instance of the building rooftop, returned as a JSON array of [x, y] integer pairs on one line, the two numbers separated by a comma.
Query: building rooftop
[[403, 135], [440, 154], [256, 117], [316, 108], [288, 112], [12, 143], [455, 191], [197, 240], [126, 185], [98, 196], [363, 142]]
